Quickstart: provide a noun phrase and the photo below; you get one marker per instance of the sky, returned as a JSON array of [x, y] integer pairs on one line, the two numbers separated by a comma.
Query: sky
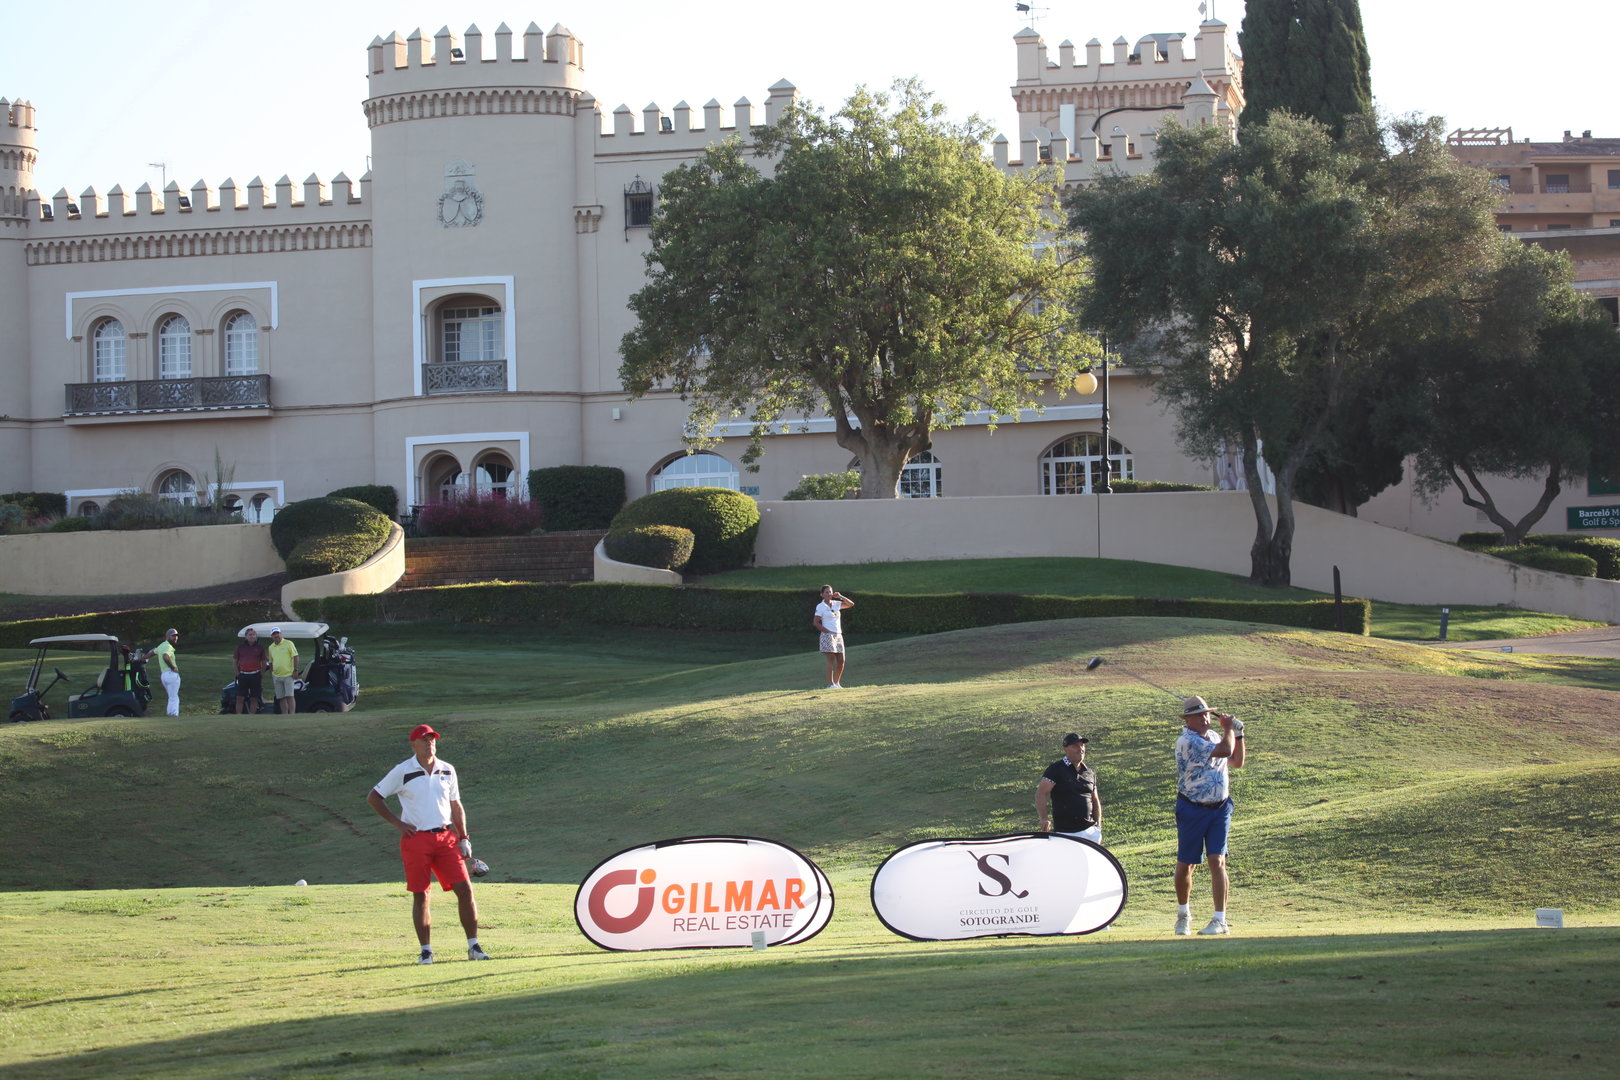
[[214, 90]]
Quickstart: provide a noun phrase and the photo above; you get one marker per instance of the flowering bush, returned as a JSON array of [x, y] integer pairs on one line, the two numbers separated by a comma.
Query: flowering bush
[[479, 517]]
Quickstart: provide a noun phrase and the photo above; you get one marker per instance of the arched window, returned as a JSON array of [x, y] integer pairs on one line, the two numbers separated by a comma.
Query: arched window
[[108, 351], [87, 508], [696, 470], [177, 484], [233, 504], [493, 477], [241, 344], [921, 478], [261, 510], [470, 330], [1074, 466], [442, 479], [174, 348]]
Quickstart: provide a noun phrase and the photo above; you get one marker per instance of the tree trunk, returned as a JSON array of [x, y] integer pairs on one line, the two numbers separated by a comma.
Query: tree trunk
[[881, 463], [1475, 495]]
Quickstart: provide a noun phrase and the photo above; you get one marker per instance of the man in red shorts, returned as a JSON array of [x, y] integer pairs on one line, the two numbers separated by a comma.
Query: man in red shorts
[[432, 836]]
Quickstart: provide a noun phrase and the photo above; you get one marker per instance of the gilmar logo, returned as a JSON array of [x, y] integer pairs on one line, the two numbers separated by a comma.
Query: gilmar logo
[[735, 900], [703, 892]]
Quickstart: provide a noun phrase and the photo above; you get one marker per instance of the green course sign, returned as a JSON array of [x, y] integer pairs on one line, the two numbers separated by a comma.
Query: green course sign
[[1594, 517]]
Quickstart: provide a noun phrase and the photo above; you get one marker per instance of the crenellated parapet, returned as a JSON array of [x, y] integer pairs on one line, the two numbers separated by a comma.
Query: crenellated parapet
[[18, 154], [1104, 108], [422, 78], [228, 220], [679, 130]]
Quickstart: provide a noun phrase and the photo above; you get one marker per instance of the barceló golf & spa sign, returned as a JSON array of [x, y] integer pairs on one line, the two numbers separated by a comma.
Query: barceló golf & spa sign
[[1032, 883], [703, 892]]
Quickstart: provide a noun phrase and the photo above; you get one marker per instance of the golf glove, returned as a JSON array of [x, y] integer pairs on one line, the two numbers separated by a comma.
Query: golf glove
[[1237, 726], [465, 847]]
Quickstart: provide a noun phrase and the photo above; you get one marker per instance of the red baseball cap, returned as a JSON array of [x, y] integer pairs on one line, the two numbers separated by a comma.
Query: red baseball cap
[[422, 731]]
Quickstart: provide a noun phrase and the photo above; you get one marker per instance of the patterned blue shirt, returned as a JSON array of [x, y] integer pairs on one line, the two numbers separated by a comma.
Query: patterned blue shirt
[[1199, 775]]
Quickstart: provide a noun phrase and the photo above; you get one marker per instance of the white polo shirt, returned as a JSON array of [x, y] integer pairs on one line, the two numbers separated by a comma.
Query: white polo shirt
[[424, 798], [832, 616]]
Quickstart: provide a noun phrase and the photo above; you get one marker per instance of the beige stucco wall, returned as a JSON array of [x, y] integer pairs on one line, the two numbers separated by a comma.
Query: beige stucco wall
[[123, 563], [375, 575], [1206, 530]]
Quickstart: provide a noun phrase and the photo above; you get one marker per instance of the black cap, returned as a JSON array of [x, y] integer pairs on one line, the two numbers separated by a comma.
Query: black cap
[[1071, 738]]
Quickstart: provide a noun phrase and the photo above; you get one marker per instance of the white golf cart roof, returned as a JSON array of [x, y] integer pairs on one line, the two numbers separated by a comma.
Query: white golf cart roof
[[76, 639], [288, 629]]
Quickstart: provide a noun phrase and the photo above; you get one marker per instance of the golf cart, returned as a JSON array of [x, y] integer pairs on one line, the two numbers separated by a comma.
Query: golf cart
[[330, 682], [120, 689]]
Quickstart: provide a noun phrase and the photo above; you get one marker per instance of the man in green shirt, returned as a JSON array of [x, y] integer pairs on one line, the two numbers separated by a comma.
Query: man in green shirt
[[283, 670]]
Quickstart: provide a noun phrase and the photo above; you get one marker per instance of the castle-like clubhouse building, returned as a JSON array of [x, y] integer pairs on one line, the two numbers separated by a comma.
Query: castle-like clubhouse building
[[451, 319]]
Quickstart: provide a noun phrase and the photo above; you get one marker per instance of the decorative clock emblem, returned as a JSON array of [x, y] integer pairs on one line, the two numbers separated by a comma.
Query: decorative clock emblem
[[461, 205]]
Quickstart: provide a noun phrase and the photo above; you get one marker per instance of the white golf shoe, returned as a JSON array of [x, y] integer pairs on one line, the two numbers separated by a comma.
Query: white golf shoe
[[1216, 926], [426, 957], [1183, 925], [476, 952]]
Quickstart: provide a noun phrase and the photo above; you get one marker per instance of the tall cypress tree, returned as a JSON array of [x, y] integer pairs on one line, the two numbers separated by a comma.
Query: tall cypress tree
[[1308, 57]]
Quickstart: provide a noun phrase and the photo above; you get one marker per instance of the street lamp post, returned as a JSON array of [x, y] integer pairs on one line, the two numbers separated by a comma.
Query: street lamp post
[[1088, 383]]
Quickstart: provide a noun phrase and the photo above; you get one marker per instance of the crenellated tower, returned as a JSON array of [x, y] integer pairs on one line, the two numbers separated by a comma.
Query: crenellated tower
[[18, 202], [18, 152]]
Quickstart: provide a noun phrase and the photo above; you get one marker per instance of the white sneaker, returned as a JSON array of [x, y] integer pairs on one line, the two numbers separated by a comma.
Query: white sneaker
[[426, 957], [474, 952], [1183, 925], [832, 686], [1216, 926], [838, 686]]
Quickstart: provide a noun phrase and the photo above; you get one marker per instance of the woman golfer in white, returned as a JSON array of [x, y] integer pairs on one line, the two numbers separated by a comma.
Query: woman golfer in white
[[830, 625]]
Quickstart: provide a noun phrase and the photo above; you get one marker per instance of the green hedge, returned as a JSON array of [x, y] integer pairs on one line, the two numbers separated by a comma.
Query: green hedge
[[325, 536], [823, 486], [724, 523], [1603, 552], [144, 626], [1539, 557], [613, 604], [663, 547], [577, 496], [1127, 487], [382, 496]]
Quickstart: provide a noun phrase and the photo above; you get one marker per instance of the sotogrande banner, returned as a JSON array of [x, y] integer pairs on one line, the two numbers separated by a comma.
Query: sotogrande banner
[[940, 890], [703, 892]]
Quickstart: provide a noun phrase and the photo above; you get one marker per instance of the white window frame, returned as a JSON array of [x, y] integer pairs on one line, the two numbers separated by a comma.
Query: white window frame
[[174, 347], [1123, 463], [110, 364], [479, 443], [241, 345], [187, 497], [419, 319], [686, 471]]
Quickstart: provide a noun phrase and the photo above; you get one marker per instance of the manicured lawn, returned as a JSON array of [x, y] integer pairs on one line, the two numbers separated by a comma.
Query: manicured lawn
[[1404, 811], [1122, 577]]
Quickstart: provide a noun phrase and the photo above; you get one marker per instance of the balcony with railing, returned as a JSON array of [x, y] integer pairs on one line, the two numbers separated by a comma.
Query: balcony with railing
[[156, 396], [464, 377]]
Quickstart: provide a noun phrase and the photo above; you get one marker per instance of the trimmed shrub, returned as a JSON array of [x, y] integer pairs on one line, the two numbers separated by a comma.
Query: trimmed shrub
[[382, 496], [479, 517], [1604, 552], [666, 547], [144, 626], [37, 504], [139, 510], [71, 524], [614, 604], [12, 516], [1126, 487], [825, 486], [1539, 557], [724, 523], [1476, 541], [578, 496], [325, 536]]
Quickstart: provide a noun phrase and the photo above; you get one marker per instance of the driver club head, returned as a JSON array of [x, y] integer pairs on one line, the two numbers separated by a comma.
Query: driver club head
[[1096, 662]]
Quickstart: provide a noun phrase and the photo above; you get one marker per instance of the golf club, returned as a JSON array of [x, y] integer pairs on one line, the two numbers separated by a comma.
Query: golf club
[[1097, 662]]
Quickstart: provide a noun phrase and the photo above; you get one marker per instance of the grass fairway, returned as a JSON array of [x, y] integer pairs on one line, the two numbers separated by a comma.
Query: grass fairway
[[1125, 577], [1404, 811]]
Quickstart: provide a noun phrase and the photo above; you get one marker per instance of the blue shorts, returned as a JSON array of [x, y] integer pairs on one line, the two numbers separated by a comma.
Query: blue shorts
[[1201, 829]]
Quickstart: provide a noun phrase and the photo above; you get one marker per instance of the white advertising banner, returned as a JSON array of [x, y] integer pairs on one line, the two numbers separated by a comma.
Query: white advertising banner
[[703, 892], [1032, 883]]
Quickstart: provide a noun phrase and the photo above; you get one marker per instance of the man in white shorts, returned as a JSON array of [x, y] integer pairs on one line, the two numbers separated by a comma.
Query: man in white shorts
[[829, 624]]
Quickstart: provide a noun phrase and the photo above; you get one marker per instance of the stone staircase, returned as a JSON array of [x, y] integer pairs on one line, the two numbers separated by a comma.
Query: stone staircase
[[455, 560]]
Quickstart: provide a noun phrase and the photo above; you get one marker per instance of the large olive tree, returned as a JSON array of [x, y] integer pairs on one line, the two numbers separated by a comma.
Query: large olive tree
[[873, 265]]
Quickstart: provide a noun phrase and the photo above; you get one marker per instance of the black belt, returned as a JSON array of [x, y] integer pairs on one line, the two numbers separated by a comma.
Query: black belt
[[441, 828], [1205, 805]]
